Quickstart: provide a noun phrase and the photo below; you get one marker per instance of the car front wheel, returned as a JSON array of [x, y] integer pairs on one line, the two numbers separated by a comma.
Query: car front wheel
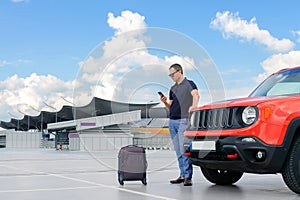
[[291, 169]]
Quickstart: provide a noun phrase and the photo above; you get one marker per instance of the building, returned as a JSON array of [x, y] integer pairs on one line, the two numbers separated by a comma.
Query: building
[[101, 124]]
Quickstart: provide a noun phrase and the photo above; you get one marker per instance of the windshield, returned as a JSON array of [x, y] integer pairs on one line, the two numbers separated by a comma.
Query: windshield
[[282, 83]]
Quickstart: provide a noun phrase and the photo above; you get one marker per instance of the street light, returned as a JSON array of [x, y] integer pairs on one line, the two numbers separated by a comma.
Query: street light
[[28, 116], [41, 115], [28, 123], [14, 116], [33, 108], [67, 100], [147, 112]]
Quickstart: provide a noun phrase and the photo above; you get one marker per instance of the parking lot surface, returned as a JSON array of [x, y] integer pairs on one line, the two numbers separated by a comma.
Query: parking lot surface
[[34, 174]]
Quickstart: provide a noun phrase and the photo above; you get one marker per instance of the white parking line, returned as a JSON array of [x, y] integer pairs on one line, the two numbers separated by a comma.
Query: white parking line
[[113, 187], [48, 189], [95, 185]]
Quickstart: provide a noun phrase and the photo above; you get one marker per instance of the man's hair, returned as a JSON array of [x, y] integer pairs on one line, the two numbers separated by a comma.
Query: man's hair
[[177, 67]]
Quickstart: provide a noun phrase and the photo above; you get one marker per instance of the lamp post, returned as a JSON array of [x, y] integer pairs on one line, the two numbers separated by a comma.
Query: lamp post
[[67, 100], [41, 115], [28, 116], [14, 116], [147, 111], [28, 122], [147, 107]]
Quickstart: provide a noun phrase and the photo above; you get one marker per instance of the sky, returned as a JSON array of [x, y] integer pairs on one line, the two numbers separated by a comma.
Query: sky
[[63, 52]]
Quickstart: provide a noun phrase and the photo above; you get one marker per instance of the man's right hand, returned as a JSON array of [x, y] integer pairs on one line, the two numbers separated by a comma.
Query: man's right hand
[[163, 99]]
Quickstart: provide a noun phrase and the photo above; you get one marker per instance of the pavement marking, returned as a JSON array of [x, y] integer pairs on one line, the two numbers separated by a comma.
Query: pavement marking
[[114, 187], [47, 189], [96, 185]]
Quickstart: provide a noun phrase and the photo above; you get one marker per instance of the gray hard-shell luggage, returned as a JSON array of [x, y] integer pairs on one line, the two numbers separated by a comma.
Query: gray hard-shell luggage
[[132, 164]]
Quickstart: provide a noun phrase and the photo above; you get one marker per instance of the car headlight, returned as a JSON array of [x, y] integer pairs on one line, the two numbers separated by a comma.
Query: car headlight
[[249, 115]]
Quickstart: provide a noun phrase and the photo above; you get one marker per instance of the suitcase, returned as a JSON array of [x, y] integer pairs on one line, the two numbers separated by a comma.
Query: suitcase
[[132, 164]]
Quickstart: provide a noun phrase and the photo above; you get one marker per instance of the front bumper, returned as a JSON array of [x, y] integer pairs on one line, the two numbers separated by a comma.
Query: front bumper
[[246, 154]]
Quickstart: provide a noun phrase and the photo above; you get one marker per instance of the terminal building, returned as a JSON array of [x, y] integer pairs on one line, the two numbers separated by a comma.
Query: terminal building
[[99, 125]]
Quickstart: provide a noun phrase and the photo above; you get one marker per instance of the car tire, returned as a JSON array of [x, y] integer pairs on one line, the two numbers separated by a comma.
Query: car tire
[[291, 169], [221, 177]]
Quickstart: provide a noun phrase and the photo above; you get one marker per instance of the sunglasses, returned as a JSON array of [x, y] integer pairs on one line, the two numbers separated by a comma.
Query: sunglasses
[[172, 74]]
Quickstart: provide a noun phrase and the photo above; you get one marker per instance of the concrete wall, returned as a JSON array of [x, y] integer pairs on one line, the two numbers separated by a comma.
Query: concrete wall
[[74, 142], [99, 141], [20, 139]]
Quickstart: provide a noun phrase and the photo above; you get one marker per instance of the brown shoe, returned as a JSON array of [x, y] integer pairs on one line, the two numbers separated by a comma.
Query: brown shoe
[[187, 182], [177, 181]]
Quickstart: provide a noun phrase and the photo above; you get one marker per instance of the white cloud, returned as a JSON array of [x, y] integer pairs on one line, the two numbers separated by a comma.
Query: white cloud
[[279, 61], [3, 63], [23, 94], [125, 64], [297, 34], [19, 1], [185, 61], [232, 25], [128, 21], [24, 61], [243, 91]]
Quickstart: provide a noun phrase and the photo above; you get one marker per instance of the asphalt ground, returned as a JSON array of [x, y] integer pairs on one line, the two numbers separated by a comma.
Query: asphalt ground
[[47, 174]]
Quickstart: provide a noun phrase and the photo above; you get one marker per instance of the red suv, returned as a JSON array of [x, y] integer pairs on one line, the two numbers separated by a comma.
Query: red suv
[[258, 134]]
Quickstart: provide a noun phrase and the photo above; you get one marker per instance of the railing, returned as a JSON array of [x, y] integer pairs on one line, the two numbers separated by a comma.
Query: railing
[[153, 141]]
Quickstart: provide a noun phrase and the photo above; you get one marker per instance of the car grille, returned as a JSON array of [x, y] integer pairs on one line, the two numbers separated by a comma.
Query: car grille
[[215, 119]]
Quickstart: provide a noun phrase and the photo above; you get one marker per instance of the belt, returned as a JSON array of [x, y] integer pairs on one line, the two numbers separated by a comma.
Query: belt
[[176, 118]]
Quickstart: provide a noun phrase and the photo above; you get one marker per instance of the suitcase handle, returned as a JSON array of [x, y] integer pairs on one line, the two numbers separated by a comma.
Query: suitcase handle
[[132, 145]]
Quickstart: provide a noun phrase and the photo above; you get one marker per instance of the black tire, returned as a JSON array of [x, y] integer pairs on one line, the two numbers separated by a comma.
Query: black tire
[[291, 168], [221, 177], [144, 181]]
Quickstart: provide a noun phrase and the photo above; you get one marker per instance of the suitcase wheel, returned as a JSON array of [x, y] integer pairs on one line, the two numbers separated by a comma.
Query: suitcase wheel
[[121, 181], [144, 181]]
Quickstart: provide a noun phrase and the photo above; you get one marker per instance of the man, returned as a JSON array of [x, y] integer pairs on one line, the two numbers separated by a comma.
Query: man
[[183, 96]]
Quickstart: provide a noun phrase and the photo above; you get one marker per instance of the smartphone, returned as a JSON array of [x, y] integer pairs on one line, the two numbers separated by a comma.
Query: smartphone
[[161, 94]]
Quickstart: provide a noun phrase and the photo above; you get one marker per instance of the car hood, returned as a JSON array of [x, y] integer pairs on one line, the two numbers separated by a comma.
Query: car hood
[[247, 101]]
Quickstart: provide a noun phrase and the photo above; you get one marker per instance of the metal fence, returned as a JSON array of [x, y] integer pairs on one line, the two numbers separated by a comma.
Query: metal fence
[[153, 141], [92, 141], [22, 139]]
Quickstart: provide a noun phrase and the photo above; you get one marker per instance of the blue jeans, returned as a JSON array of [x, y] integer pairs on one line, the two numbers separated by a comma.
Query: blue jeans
[[177, 128]]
